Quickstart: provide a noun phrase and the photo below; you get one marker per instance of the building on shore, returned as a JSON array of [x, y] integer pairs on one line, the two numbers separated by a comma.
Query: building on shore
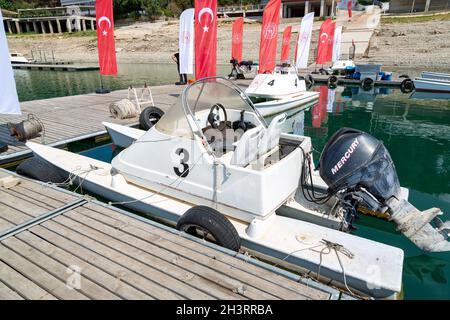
[[405, 6], [51, 20], [65, 3]]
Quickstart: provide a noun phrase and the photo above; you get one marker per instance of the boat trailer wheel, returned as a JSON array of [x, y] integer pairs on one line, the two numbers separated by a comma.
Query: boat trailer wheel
[[209, 224], [332, 81], [367, 83], [407, 86]]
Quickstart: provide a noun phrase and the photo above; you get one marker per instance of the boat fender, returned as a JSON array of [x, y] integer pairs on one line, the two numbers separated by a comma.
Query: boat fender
[[407, 86], [149, 117], [332, 81], [39, 169], [367, 83], [211, 221]]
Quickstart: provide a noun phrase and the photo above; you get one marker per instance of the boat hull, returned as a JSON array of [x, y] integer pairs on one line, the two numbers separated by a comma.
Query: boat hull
[[281, 105], [373, 268], [122, 136], [431, 85]]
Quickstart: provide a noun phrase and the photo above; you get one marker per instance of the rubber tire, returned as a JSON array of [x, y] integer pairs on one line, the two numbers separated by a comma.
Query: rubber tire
[[367, 83], [212, 220], [407, 86], [146, 114], [39, 169], [332, 81], [310, 79]]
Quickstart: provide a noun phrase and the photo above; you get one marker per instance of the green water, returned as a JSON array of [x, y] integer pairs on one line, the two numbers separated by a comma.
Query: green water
[[39, 84], [416, 133]]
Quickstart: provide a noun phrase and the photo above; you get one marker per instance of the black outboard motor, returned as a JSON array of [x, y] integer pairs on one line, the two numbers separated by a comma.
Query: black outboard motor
[[359, 171], [355, 161]]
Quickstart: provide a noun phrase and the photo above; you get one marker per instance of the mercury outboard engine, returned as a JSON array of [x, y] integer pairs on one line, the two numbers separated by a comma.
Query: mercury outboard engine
[[359, 171]]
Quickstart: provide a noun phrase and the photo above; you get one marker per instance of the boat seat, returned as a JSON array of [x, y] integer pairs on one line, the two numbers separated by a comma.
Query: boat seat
[[247, 147], [271, 137]]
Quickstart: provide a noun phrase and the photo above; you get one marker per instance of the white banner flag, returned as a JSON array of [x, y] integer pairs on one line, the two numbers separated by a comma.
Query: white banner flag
[[337, 43], [9, 102], [186, 41], [304, 41]]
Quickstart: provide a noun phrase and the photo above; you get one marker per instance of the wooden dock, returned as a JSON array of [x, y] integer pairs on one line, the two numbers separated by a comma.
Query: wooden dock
[[74, 118], [56, 244], [53, 67]]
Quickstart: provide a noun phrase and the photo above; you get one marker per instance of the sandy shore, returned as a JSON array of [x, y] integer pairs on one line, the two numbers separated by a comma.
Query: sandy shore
[[413, 45]]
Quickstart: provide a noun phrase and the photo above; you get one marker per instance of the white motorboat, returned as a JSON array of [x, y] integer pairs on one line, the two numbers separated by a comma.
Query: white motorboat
[[342, 66], [213, 166], [277, 92], [435, 75], [17, 58], [431, 85]]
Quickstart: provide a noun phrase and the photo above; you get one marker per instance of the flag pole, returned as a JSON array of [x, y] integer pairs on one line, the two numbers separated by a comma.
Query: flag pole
[[102, 90]]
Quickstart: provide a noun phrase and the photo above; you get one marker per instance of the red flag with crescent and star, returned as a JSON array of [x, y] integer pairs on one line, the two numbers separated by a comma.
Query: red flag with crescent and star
[[237, 37], [331, 41], [322, 47], [349, 8], [105, 37], [286, 44], [269, 36], [205, 38]]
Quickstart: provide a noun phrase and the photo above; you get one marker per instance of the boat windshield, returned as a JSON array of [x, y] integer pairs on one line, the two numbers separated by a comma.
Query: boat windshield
[[188, 114]]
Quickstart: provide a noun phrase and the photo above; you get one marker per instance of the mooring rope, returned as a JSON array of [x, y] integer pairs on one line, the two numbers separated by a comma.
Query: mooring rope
[[123, 109]]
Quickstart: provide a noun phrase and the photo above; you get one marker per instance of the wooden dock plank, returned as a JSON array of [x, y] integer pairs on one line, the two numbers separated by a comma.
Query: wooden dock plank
[[58, 270], [7, 294], [22, 285], [220, 273], [96, 241], [120, 273], [88, 270], [182, 269], [106, 256], [164, 239], [38, 275]]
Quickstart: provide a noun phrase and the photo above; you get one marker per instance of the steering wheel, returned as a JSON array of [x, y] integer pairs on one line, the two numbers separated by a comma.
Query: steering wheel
[[214, 117]]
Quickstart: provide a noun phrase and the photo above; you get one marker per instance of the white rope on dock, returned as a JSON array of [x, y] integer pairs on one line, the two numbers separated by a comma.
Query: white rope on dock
[[123, 109]]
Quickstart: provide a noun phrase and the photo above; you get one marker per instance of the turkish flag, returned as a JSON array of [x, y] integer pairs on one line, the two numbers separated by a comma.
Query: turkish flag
[[269, 36], [349, 8], [331, 41], [319, 110], [105, 37], [237, 37], [322, 47], [286, 44], [205, 38]]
